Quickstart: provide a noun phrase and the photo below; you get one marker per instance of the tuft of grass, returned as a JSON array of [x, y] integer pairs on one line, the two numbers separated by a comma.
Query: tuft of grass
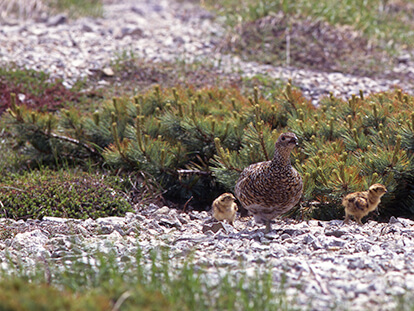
[[21, 8], [405, 302], [152, 282], [269, 87], [62, 194], [78, 8], [33, 8], [9, 157]]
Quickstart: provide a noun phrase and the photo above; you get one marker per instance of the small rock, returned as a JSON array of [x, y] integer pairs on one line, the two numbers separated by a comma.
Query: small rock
[[336, 233], [336, 222], [215, 227], [114, 220], [34, 241], [404, 58], [107, 71], [182, 220], [335, 243], [55, 219], [135, 32], [293, 232], [87, 28], [272, 235], [285, 236], [309, 238], [106, 229], [170, 223], [163, 210], [57, 20], [394, 220], [257, 236], [137, 10]]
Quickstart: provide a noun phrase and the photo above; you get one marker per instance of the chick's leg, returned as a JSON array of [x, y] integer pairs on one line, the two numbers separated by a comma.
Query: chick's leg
[[231, 221], [346, 221]]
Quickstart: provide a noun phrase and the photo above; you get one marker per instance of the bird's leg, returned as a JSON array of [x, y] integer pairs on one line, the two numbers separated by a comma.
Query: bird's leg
[[268, 226], [346, 221]]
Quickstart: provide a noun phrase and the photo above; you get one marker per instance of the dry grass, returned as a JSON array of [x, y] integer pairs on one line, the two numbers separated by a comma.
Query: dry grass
[[32, 9], [22, 8], [305, 43]]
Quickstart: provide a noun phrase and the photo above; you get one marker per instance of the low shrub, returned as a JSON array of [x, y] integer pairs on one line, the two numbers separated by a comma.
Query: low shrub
[[42, 193], [194, 144]]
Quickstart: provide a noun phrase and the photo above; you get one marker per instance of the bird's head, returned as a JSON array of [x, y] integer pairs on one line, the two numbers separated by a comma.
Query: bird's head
[[227, 197], [378, 190], [287, 140]]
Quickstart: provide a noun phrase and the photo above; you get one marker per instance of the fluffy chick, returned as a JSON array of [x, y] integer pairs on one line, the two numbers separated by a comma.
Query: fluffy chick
[[359, 204], [224, 208], [271, 188]]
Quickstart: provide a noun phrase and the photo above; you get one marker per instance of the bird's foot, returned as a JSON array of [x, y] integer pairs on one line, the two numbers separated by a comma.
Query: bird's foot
[[268, 227]]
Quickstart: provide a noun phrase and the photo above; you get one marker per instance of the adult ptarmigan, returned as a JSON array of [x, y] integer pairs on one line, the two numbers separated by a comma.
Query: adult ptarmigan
[[271, 188]]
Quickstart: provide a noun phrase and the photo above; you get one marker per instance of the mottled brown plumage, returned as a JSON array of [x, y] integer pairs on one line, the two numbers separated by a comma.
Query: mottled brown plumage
[[359, 204], [224, 208], [271, 188]]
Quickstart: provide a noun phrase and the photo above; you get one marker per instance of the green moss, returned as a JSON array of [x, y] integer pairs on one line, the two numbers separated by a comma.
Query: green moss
[[78, 8], [17, 294], [62, 194]]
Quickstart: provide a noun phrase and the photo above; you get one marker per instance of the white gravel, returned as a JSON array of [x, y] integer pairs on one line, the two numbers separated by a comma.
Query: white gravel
[[327, 265]]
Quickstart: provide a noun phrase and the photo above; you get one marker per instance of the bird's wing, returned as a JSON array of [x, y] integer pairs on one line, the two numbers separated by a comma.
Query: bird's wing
[[247, 178], [218, 206], [361, 203]]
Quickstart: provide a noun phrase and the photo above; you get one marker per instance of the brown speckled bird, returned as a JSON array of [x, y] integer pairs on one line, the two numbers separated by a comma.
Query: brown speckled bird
[[359, 204], [224, 208], [271, 188]]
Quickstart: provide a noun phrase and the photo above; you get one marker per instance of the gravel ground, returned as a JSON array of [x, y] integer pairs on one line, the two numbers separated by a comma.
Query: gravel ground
[[327, 265], [335, 266], [159, 32]]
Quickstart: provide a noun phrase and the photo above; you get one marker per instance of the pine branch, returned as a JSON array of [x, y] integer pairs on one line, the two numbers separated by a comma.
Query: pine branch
[[193, 172], [73, 141]]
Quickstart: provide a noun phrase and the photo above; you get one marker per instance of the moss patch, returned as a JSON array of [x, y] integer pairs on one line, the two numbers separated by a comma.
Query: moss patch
[[61, 194]]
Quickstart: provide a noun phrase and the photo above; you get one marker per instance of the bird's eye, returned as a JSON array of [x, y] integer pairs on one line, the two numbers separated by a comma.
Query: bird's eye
[[283, 138]]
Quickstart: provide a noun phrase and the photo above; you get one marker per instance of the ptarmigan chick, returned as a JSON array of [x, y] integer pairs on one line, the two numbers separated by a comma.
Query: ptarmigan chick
[[359, 204], [224, 208], [271, 188]]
